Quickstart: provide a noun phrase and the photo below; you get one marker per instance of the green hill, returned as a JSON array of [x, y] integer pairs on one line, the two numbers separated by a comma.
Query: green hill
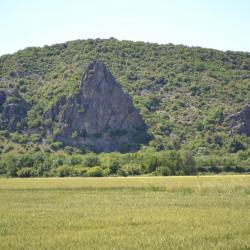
[[186, 95]]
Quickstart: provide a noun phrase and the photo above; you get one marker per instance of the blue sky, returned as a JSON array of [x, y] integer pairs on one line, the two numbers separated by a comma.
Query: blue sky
[[220, 24]]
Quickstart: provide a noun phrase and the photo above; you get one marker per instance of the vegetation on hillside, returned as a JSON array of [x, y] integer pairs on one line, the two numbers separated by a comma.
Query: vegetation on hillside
[[185, 94]]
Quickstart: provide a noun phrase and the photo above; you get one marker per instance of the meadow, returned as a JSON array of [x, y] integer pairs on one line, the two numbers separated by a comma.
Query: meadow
[[201, 212]]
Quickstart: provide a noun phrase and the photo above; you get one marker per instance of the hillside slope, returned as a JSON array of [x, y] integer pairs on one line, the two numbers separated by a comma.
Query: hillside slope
[[185, 95]]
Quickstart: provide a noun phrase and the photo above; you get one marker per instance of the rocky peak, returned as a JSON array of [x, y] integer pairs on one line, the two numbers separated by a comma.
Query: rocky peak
[[101, 116], [95, 73]]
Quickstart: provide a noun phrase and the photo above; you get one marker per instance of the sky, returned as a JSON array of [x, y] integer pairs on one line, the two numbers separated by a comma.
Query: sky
[[219, 24]]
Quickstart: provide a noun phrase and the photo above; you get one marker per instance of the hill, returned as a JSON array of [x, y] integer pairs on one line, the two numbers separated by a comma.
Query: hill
[[189, 97]]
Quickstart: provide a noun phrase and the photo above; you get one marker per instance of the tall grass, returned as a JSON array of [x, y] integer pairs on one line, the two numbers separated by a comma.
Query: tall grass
[[210, 212]]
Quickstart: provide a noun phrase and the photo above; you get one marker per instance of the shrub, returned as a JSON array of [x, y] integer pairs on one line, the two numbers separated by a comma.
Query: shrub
[[188, 163], [82, 171], [69, 149], [95, 172], [122, 172], [215, 169], [150, 164], [130, 169], [74, 160], [171, 160], [25, 172], [57, 132], [106, 172], [8, 148], [229, 169], [63, 171], [74, 135], [56, 145], [114, 165], [236, 144], [163, 170], [5, 133], [15, 137], [91, 160]]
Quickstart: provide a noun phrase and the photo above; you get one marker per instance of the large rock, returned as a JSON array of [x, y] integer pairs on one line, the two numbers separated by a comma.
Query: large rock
[[240, 121], [101, 116], [2, 97], [13, 110]]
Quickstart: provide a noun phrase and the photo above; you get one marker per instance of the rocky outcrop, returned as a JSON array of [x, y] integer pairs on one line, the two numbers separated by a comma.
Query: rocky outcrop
[[101, 116], [240, 122], [2, 97], [13, 110]]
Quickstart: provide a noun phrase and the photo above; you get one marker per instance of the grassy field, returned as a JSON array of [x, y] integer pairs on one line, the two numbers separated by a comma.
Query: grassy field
[[209, 212]]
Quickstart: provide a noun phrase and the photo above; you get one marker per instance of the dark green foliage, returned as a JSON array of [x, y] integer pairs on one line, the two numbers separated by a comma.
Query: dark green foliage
[[153, 163], [235, 144], [130, 169], [64, 171], [95, 172], [25, 172], [91, 160], [114, 166], [56, 145], [188, 163]]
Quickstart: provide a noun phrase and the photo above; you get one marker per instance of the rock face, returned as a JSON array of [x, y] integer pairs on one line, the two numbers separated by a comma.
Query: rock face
[[101, 116], [241, 121], [2, 97], [13, 110]]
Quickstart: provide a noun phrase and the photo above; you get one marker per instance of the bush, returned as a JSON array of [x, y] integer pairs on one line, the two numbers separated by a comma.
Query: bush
[[95, 172], [130, 169], [64, 171], [25, 172], [56, 145], [91, 160], [74, 160], [69, 149], [163, 170], [8, 148], [215, 169], [188, 163], [74, 135], [122, 172], [82, 171], [150, 164], [172, 160], [236, 144], [229, 169], [114, 165]]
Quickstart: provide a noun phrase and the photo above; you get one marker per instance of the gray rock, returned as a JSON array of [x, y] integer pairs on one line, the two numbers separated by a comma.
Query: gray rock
[[101, 116], [13, 109], [2, 97], [240, 122]]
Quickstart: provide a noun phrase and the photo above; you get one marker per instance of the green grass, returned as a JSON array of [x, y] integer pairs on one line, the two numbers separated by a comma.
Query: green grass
[[209, 212]]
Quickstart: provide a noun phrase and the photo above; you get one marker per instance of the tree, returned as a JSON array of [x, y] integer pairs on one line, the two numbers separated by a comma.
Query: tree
[[188, 163], [25, 172], [235, 144], [95, 171], [91, 160]]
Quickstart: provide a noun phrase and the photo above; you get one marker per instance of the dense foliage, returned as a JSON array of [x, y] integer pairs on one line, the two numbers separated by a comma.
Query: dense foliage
[[184, 94], [116, 164]]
